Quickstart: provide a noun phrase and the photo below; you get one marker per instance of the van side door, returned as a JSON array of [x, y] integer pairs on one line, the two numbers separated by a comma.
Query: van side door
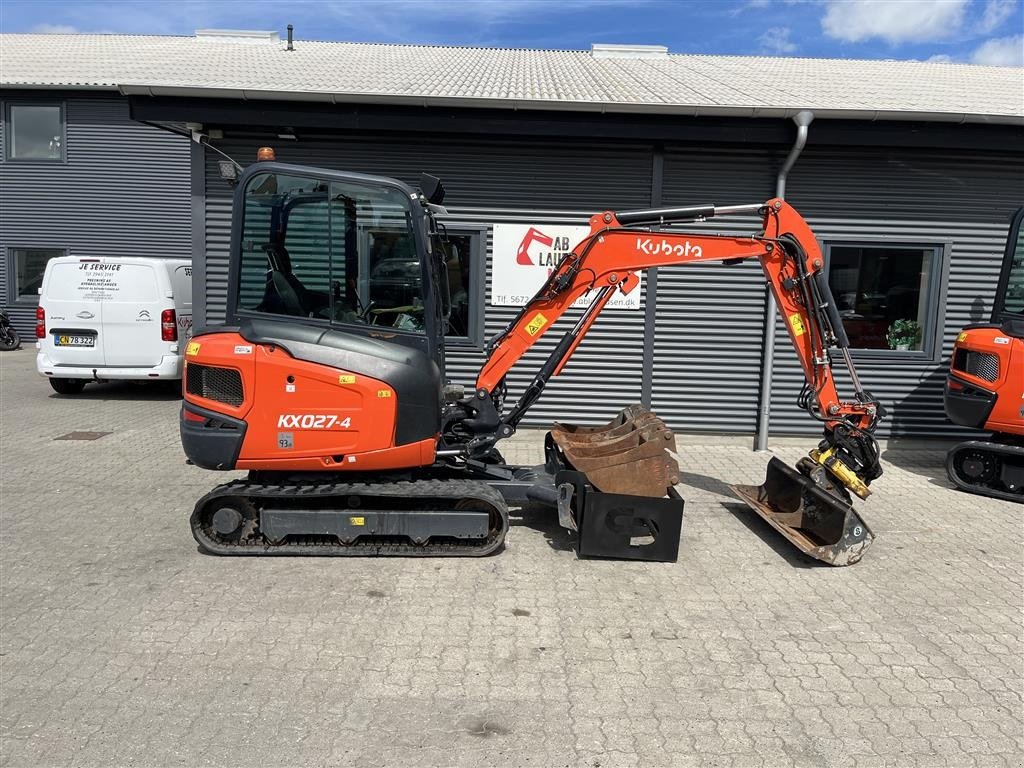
[[131, 317]]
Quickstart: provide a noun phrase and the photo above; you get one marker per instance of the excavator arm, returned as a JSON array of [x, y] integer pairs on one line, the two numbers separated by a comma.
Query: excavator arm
[[607, 259], [619, 245]]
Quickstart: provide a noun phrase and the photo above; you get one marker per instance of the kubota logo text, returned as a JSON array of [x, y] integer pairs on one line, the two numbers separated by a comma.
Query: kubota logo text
[[312, 421], [665, 248]]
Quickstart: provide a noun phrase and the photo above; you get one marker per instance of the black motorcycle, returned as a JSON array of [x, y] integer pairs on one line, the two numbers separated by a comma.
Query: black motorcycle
[[9, 338]]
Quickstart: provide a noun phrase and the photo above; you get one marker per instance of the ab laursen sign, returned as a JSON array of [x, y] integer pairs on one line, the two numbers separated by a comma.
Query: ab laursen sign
[[525, 255]]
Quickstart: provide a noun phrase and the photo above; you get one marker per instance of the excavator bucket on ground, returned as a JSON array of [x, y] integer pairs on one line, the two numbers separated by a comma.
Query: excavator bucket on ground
[[616, 486], [815, 521], [616, 483]]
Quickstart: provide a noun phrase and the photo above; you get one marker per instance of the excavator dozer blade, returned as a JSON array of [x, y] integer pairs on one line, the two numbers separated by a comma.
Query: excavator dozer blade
[[812, 519], [616, 486]]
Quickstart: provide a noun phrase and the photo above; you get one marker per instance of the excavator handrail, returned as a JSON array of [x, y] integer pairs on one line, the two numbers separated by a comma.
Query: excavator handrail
[[688, 213]]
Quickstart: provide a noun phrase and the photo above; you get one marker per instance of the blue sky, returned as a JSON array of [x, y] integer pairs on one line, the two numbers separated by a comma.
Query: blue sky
[[979, 31]]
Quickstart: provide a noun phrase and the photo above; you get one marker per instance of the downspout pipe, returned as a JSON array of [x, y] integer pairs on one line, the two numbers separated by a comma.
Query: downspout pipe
[[803, 121]]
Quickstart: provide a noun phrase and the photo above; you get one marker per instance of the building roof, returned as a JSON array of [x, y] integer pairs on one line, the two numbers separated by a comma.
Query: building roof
[[247, 65]]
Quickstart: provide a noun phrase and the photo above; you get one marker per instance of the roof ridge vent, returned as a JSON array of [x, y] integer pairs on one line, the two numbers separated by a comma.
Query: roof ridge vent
[[237, 35], [613, 51]]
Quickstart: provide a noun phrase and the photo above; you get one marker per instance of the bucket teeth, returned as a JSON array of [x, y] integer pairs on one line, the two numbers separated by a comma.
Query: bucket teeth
[[815, 521], [628, 455]]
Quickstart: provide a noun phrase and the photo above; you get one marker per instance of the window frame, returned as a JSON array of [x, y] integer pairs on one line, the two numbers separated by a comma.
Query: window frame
[[935, 308], [9, 133], [474, 340], [13, 294]]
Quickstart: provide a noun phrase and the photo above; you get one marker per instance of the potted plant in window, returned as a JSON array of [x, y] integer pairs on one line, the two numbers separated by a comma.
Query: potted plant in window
[[904, 334]]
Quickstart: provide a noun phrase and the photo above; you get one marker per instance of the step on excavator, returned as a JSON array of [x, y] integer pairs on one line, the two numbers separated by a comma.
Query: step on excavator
[[327, 383], [985, 386]]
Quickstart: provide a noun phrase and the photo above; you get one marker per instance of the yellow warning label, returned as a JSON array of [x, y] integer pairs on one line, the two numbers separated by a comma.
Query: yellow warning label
[[347, 378], [192, 349], [961, 337], [383, 393], [534, 326], [797, 324], [357, 521]]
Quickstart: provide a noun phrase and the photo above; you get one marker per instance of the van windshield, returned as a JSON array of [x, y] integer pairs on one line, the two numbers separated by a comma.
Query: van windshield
[[342, 251]]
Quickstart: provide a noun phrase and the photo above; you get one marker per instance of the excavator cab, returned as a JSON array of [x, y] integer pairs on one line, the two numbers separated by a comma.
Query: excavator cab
[[344, 250]]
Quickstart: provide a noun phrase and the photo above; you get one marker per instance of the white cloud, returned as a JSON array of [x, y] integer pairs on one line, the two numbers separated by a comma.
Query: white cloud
[[1001, 52], [939, 58], [776, 40], [55, 29], [896, 22], [750, 5], [996, 12]]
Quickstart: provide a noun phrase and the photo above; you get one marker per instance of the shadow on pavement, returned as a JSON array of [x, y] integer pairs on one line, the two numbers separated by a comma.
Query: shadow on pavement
[[126, 390], [771, 537], [543, 518], [689, 480], [929, 463]]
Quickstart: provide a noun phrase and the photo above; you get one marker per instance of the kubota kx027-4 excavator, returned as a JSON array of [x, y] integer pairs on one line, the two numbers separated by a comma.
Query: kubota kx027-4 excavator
[[327, 383], [985, 386]]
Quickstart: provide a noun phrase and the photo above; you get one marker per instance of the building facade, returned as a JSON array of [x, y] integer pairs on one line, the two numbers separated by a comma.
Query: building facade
[[900, 223], [910, 213], [79, 177]]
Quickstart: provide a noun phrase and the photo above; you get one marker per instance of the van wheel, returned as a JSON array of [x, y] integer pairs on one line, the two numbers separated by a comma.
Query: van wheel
[[67, 386]]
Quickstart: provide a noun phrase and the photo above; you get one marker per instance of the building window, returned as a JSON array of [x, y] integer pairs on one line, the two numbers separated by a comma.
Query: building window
[[887, 294], [464, 258], [28, 265], [35, 132]]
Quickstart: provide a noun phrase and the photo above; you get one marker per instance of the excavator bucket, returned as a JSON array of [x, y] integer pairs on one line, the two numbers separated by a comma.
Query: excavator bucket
[[616, 486], [815, 521], [628, 455]]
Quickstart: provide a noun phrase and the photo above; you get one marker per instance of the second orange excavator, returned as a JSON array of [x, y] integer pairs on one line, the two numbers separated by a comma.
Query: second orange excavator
[[327, 383], [985, 386]]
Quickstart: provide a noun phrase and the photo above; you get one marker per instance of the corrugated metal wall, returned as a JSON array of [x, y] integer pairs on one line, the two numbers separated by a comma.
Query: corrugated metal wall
[[708, 336], [123, 190], [708, 333]]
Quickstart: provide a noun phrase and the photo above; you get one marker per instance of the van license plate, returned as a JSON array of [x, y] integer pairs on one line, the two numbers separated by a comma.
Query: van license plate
[[74, 341]]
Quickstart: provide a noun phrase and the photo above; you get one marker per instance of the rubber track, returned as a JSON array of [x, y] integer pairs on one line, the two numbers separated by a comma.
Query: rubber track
[[1000, 450], [444, 492]]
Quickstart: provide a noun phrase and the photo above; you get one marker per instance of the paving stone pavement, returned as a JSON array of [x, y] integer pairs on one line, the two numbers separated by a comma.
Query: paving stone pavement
[[121, 644]]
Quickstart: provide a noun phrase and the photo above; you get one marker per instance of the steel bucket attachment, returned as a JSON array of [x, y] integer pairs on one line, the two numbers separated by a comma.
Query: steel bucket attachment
[[817, 522], [628, 455], [612, 482]]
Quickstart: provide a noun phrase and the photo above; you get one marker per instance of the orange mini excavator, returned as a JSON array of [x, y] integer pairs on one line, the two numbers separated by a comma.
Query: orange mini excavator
[[327, 383], [985, 386]]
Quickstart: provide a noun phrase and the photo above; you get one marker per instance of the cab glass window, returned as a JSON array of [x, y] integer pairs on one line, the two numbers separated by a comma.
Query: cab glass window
[[338, 251]]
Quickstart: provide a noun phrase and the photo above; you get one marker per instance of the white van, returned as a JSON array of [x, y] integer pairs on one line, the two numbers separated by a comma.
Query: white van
[[112, 318]]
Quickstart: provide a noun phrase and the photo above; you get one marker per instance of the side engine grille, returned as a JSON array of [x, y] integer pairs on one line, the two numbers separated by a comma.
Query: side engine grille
[[984, 365], [221, 384]]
